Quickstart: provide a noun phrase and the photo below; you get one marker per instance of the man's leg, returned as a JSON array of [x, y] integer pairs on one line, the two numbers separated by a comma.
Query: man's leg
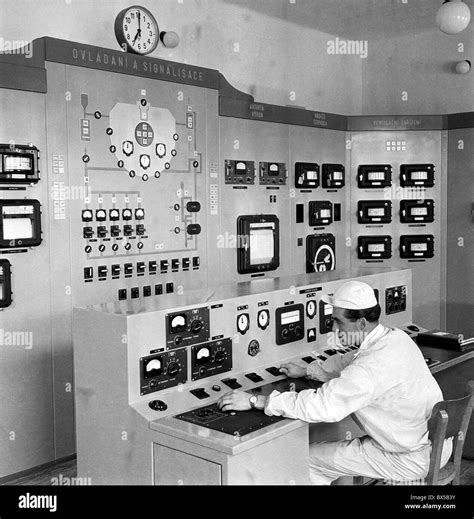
[[361, 457]]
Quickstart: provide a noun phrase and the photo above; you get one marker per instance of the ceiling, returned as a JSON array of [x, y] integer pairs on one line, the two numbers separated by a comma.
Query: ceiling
[[353, 19]]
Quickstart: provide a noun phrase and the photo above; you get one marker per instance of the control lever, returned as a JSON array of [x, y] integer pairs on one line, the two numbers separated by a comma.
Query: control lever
[[232, 383]]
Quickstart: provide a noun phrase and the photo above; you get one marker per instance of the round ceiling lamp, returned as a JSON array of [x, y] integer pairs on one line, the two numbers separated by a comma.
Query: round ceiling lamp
[[453, 16]]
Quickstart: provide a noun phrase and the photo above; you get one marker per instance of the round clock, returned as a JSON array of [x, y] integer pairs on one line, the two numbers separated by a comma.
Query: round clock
[[136, 30]]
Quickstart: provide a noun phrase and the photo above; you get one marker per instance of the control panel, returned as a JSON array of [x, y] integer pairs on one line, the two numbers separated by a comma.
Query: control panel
[[417, 211], [19, 164], [417, 246], [374, 176], [320, 213], [374, 211], [417, 175], [333, 176], [320, 253], [374, 247], [395, 299], [20, 223], [272, 173], [211, 358], [188, 327], [289, 322], [163, 370], [239, 172], [306, 175]]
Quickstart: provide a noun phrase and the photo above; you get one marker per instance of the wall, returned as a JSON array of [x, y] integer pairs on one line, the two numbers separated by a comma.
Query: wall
[[274, 59], [422, 65]]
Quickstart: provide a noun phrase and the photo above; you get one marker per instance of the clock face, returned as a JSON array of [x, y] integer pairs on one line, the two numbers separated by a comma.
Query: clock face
[[137, 30]]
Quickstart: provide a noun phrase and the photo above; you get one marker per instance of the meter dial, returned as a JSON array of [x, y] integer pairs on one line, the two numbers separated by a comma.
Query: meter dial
[[311, 309], [203, 355], [177, 323], [263, 319], [127, 148], [243, 322], [324, 259], [153, 368]]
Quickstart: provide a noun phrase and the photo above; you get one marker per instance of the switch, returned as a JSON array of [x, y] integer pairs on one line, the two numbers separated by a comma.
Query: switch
[[254, 377], [196, 262], [299, 213], [141, 267], [87, 215], [102, 231], [128, 269], [164, 266], [186, 263], [126, 214], [232, 383], [169, 288], [193, 228], [308, 359], [122, 294], [115, 270], [88, 232], [127, 230], [139, 214], [101, 215], [216, 387], [274, 371], [147, 291], [158, 290], [200, 393], [193, 207], [152, 266], [102, 271], [88, 273], [114, 215], [311, 335], [135, 293], [174, 264], [140, 229], [330, 352], [115, 230]]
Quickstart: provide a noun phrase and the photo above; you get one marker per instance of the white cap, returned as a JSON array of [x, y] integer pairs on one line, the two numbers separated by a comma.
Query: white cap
[[353, 295]]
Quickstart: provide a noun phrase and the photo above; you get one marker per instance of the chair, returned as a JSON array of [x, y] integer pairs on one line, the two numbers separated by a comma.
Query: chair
[[449, 418]]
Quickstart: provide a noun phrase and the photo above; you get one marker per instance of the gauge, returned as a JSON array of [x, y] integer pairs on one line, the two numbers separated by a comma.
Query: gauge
[[114, 215], [127, 214], [127, 148], [139, 214], [87, 215], [243, 323], [263, 319], [145, 161], [311, 309], [153, 368], [203, 355], [177, 323], [324, 259], [100, 215], [161, 150]]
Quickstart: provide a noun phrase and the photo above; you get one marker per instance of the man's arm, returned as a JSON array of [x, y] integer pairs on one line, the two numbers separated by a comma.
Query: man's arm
[[330, 368]]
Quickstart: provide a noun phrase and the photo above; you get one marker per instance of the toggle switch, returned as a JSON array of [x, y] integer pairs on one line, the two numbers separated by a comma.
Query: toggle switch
[[232, 383], [200, 393], [254, 377]]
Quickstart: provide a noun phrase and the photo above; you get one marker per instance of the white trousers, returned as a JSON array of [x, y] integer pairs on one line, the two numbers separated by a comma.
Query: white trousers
[[363, 457]]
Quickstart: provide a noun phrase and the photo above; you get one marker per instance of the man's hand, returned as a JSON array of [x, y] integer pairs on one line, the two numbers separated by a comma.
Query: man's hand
[[292, 370], [237, 400]]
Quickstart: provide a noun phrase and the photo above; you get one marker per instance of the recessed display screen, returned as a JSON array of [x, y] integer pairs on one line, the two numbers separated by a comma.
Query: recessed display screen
[[337, 175], [290, 317], [375, 211], [325, 213], [376, 175], [419, 175], [20, 223], [328, 309], [17, 228], [416, 247], [17, 163], [261, 243], [419, 211], [312, 175], [376, 247]]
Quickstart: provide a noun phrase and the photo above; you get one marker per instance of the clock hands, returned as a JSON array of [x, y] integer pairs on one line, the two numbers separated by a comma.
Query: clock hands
[[139, 31]]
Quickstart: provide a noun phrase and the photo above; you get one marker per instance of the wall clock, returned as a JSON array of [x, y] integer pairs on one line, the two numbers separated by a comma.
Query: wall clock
[[136, 30]]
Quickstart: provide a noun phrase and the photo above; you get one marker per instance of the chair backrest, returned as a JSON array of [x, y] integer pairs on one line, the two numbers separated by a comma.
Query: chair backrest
[[449, 418]]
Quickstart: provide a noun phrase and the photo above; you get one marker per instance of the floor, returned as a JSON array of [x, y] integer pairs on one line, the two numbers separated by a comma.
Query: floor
[[63, 473]]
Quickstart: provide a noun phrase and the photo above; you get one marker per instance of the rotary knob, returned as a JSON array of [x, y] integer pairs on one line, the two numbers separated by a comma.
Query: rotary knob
[[173, 369], [158, 405], [197, 325], [220, 356]]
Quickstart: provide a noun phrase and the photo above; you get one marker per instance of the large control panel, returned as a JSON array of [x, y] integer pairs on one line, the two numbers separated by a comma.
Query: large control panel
[[237, 339]]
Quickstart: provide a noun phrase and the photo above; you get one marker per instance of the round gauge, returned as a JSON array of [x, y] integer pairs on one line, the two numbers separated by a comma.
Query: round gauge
[[177, 323], [145, 161], [324, 259], [242, 323], [203, 355], [136, 30], [127, 214], [127, 148], [154, 364], [161, 150], [139, 213], [114, 214], [311, 309], [263, 319]]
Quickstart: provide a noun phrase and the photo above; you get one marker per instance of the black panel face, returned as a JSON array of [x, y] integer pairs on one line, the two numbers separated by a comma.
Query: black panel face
[[239, 172], [333, 176], [320, 253], [306, 175], [272, 173], [320, 213], [417, 211], [395, 299], [374, 176], [19, 164], [211, 358], [162, 370], [237, 424], [325, 317], [187, 327], [5, 283], [417, 246], [374, 247], [258, 244], [289, 323], [374, 211], [417, 175], [20, 223]]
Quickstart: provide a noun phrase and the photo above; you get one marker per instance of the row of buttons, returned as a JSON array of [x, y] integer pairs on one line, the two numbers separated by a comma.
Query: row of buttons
[[115, 231], [146, 291], [114, 214], [141, 268]]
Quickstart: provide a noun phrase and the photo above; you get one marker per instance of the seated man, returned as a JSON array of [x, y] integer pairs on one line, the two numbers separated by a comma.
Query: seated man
[[386, 386]]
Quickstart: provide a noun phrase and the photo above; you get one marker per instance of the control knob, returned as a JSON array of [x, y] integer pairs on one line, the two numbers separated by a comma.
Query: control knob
[[173, 369], [197, 325], [158, 405], [220, 356]]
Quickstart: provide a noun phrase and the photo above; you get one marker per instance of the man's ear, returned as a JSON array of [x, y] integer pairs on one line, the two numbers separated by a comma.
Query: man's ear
[[362, 323]]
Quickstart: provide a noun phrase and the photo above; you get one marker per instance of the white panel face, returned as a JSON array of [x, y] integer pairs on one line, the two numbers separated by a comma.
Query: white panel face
[[415, 147]]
